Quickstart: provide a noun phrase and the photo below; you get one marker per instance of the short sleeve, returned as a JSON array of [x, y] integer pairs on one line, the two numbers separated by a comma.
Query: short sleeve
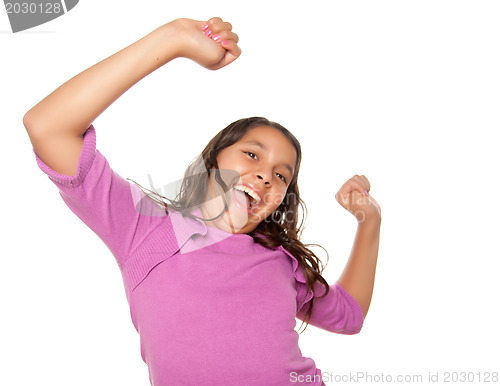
[[337, 312], [115, 209]]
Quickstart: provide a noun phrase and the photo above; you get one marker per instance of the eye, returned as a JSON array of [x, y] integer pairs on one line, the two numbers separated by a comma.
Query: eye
[[281, 177], [250, 154]]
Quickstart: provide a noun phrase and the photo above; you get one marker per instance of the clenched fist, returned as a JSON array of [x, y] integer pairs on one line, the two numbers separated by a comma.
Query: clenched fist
[[211, 44], [354, 196]]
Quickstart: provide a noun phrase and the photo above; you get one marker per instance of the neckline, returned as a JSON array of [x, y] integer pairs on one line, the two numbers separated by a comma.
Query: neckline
[[225, 233], [215, 230]]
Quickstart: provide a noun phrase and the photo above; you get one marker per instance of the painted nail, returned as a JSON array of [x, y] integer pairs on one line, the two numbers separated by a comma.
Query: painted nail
[[216, 37], [224, 42], [208, 33], [205, 27]]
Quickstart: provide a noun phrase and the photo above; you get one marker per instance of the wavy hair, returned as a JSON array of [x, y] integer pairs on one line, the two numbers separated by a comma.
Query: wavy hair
[[281, 227]]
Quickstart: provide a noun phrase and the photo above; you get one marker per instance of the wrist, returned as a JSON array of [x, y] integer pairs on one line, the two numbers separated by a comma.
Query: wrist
[[373, 221], [167, 42], [178, 34]]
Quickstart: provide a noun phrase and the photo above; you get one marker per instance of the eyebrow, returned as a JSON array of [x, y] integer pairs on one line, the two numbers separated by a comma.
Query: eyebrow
[[257, 143]]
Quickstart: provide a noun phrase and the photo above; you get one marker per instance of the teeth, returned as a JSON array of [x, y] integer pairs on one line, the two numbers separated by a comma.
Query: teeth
[[252, 194]]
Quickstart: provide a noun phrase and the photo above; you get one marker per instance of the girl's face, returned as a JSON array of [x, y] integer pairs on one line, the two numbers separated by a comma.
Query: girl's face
[[264, 160]]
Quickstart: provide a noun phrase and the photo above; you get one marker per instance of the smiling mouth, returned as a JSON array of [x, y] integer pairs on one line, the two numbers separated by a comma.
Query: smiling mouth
[[243, 200], [254, 197]]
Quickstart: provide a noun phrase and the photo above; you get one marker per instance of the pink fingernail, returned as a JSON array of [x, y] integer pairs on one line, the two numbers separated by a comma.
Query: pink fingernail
[[216, 37], [208, 33], [205, 27], [224, 42]]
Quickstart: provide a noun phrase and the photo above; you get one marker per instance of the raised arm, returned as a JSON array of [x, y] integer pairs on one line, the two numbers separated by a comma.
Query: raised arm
[[358, 276], [57, 123]]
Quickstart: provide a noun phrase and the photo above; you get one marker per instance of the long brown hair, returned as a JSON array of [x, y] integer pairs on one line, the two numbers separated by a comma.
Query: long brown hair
[[280, 228]]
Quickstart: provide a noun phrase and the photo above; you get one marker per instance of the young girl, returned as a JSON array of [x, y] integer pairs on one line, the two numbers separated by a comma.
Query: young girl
[[215, 278]]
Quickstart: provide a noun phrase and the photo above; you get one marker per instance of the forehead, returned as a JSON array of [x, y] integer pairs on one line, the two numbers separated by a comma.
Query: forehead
[[273, 140]]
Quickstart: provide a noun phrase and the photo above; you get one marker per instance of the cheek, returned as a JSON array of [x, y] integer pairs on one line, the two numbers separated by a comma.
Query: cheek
[[273, 200], [234, 163]]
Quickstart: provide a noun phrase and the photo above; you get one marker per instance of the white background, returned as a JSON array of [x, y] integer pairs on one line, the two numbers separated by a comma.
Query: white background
[[406, 93]]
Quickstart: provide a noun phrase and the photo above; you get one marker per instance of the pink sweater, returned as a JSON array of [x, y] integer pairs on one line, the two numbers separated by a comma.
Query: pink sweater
[[211, 307]]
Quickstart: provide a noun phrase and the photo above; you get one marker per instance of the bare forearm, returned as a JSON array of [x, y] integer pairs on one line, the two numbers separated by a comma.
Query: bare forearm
[[73, 106], [358, 276]]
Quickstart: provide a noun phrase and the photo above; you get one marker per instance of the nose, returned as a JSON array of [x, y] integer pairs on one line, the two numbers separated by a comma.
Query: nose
[[264, 177]]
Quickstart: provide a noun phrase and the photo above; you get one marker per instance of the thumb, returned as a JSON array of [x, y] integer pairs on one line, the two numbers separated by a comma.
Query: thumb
[[233, 51], [200, 24], [342, 198]]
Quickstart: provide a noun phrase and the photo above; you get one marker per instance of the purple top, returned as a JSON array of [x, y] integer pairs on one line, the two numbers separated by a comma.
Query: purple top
[[208, 305]]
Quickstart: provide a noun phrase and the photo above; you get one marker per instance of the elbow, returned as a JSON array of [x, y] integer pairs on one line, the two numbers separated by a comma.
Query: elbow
[[32, 119], [27, 120], [33, 126], [350, 331], [29, 123], [350, 325], [355, 331]]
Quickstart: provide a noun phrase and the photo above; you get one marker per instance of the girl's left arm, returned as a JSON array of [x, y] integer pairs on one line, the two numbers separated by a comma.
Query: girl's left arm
[[358, 276]]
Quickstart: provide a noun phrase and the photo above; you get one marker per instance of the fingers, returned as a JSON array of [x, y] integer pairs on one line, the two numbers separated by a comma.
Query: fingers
[[361, 183], [220, 31], [233, 51], [357, 183], [215, 26], [354, 197], [224, 35]]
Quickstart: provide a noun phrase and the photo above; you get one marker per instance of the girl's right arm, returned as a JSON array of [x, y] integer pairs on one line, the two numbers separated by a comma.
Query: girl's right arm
[[57, 123]]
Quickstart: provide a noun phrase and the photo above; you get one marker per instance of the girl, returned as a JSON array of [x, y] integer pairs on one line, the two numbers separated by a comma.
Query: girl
[[215, 278]]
